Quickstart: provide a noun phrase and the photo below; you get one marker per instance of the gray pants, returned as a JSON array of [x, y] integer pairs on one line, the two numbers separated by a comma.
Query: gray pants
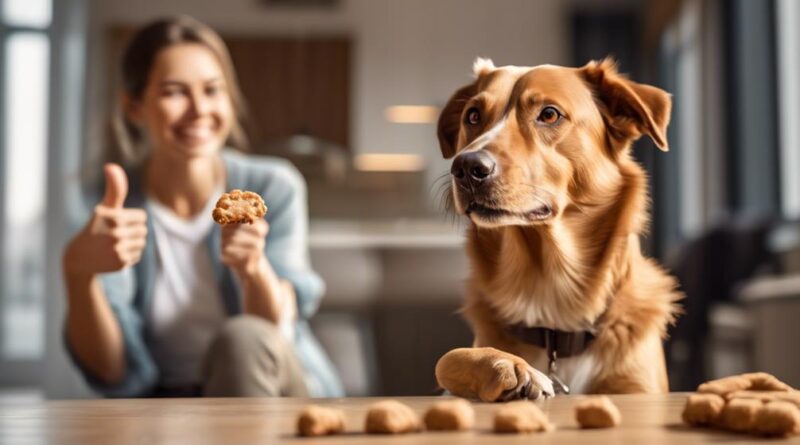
[[249, 357]]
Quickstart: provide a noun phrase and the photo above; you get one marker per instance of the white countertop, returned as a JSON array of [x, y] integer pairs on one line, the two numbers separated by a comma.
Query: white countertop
[[770, 288], [380, 234]]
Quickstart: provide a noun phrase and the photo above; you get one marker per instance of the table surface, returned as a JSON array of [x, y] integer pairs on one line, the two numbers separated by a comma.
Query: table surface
[[646, 419]]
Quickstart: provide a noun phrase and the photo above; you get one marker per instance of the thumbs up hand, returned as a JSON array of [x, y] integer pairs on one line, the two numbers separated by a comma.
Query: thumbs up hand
[[114, 237]]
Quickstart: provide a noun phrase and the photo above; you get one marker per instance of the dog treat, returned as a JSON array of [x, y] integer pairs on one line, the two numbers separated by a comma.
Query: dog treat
[[391, 417], [754, 381], [521, 416], [767, 396], [755, 403], [703, 409], [778, 418], [597, 412], [739, 415], [239, 207], [315, 420], [450, 415]]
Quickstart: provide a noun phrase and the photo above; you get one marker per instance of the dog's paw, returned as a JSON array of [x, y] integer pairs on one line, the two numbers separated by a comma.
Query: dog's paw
[[517, 380], [491, 375]]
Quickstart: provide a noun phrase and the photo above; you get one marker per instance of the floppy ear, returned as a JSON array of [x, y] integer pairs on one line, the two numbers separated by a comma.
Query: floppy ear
[[629, 109], [450, 120]]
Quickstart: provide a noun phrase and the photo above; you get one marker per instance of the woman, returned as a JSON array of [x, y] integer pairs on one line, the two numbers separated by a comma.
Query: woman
[[162, 301]]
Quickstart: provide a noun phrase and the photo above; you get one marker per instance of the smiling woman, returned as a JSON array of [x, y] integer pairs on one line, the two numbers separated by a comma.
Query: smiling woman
[[216, 74], [163, 302]]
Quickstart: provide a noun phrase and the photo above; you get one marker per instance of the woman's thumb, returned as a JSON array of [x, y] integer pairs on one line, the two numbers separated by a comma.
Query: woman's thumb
[[116, 186]]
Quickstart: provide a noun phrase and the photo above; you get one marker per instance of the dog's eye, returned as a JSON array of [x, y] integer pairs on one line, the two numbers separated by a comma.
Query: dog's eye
[[473, 116], [549, 115]]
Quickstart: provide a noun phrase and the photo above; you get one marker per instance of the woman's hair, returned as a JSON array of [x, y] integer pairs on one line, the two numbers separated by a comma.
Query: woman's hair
[[137, 63]]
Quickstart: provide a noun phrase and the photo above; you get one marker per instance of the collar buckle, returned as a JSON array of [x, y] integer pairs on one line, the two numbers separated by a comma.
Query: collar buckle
[[552, 355]]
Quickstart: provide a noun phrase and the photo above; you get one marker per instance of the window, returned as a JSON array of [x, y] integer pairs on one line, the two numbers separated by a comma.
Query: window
[[787, 15], [24, 90]]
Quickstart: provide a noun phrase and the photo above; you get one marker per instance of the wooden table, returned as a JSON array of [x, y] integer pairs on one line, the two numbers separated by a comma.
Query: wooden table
[[647, 419]]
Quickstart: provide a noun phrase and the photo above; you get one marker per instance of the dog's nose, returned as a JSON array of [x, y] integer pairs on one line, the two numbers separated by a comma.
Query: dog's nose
[[475, 167]]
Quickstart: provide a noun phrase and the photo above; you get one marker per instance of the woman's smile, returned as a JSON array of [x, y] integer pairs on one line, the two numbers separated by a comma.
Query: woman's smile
[[194, 134]]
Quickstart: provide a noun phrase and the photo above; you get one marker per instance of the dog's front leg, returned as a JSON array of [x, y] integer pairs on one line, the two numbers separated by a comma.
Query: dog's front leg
[[490, 375]]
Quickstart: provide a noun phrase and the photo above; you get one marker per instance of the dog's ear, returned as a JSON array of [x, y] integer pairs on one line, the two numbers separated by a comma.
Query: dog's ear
[[450, 120], [629, 109]]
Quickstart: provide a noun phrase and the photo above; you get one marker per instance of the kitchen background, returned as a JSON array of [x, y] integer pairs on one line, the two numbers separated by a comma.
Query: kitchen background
[[349, 90]]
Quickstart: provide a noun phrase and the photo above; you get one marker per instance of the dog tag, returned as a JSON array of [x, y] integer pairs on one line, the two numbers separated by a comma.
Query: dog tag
[[558, 385]]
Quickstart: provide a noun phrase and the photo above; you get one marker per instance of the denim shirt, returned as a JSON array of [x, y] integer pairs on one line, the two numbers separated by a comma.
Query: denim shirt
[[130, 291]]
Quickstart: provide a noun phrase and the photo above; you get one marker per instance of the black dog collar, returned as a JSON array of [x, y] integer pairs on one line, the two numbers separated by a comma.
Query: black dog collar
[[559, 344]]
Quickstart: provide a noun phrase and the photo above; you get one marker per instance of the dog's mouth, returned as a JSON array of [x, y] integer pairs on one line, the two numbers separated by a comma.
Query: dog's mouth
[[488, 214]]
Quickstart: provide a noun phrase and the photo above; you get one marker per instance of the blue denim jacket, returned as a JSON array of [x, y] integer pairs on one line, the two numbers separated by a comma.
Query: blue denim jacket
[[130, 290]]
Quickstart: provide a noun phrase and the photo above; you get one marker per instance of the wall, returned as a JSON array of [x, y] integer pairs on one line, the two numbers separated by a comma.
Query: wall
[[406, 52]]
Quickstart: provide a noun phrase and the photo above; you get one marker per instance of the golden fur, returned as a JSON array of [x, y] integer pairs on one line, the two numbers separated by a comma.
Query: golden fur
[[579, 267]]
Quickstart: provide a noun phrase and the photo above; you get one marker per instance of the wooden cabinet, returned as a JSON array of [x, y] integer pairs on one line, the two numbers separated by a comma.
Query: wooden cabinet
[[292, 85]]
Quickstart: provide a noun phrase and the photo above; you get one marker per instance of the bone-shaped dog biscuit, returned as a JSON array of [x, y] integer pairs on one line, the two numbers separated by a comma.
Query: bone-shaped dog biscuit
[[239, 207], [754, 403], [754, 381]]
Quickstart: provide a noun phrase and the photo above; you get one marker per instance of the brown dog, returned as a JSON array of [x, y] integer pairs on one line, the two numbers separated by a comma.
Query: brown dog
[[543, 171]]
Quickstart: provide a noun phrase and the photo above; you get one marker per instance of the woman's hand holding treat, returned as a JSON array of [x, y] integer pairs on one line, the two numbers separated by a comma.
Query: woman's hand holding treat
[[244, 235], [243, 247]]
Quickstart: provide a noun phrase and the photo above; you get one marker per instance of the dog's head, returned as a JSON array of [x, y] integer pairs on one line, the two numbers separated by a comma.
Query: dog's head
[[530, 143]]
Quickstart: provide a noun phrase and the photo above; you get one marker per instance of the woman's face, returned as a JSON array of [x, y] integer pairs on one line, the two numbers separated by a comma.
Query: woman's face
[[185, 109]]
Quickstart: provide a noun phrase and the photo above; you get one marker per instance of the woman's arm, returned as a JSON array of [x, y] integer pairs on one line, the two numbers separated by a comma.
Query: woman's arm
[[265, 294], [92, 330], [113, 239]]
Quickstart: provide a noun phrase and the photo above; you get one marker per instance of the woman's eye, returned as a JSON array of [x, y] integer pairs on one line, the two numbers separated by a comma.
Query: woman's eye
[[172, 92], [549, 115], [212, 91], [473, 116]]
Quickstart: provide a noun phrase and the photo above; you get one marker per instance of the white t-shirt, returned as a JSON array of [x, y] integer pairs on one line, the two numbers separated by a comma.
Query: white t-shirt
[[187, 308]]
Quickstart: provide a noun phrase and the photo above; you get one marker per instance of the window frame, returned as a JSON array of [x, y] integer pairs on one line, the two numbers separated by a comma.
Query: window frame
[[19, 372]]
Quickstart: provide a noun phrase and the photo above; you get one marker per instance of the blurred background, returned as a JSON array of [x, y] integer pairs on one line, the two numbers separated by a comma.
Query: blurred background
[[349, 90]]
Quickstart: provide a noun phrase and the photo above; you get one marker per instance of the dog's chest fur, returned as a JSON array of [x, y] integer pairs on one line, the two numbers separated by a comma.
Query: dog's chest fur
[[550, 290]]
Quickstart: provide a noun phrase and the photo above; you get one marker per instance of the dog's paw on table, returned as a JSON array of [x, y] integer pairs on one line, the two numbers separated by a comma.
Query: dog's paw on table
[[491, 375], [753, 403]]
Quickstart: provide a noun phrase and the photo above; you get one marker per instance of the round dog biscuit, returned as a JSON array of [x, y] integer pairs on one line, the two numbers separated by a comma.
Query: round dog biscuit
[[597, 412], [778, 418], [315, 420], [391, 417], [739, 415], [239, 207], [522, 416], [450, 415], [703, 409]]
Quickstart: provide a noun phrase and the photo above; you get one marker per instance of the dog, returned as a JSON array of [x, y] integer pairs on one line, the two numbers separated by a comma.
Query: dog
[[542, 168]]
